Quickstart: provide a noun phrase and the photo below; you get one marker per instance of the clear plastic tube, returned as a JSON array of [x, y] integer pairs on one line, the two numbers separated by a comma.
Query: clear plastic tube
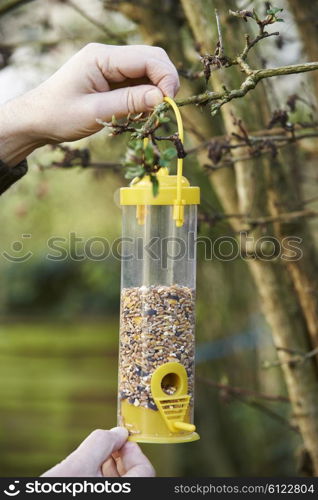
[[156, 358]]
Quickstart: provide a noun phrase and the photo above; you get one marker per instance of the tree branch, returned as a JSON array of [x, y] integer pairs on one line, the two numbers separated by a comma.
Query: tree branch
[[244, 397], [225, 96], [249, 44], [117, 37], [243, 392], [259, 145], [286, 217], [248, 84], [218, 23], [8, 5], [297, 357]]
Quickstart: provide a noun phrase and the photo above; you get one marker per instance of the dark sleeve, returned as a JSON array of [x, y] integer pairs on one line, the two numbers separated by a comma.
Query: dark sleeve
[[9, 175]]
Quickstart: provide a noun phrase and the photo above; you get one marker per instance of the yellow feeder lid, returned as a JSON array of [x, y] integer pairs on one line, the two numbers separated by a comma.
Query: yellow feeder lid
[[173, 189], [140, 191]]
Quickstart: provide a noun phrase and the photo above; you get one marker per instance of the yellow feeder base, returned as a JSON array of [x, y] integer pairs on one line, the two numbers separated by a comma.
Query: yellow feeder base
[[194, 436], [148, 426]]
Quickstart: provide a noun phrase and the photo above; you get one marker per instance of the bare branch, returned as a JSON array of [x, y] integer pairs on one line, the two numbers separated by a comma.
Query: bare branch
[[261, 145], [117, 37], [244, 392], [286, 217], [254, 77], [296, 358], [249, 44], [218, 24], [8, 5], [246, 399], [218, 99]]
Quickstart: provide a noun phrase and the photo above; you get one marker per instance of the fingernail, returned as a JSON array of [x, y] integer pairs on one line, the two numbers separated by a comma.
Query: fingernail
[[170, 93], [120, 430], [153, 97]]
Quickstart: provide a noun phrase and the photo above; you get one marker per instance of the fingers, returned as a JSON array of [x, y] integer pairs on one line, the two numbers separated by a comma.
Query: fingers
[[121, 102], [100, 444], [82, 88], [109, 468], [88, 458], [106, 453], [135, 61], [93, 453], [134, 462], [119, 464]]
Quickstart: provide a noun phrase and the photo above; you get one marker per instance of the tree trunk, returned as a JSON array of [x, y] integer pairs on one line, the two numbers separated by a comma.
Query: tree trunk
[[8, 5], [306, 17], [286, 196]]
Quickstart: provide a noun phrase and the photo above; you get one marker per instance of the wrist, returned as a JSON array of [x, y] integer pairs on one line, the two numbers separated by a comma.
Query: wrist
[[17, 136]]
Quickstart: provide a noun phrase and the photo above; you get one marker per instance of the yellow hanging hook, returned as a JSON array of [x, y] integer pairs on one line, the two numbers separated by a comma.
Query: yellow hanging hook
[[178, 211]]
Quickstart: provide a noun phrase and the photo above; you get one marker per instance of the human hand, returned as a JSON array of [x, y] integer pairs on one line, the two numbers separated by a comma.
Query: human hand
[[65, 107], [104, 453]]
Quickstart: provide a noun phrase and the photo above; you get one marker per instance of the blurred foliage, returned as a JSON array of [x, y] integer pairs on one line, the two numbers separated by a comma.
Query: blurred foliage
[[62, 289]]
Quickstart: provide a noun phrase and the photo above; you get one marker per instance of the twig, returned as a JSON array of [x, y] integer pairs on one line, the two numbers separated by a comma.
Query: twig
[[256, 405], [243, 392], [79, 157], [248, 84], [218, 24], [259, 221], [278, 134], [128, 125], [261, 146], [304, 356], [225, 96], [297, 357], [249, 44], [152, 6], [190, 74], [310, 200], [270, 413], [109, 165], [174, 138], [8, 5]]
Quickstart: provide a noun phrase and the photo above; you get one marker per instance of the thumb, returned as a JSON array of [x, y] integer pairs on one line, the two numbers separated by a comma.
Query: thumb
[[100, 444], [121, 102], [87, 459]]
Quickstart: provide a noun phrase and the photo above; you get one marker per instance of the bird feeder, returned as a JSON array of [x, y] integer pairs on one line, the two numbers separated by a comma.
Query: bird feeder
[[157, 319]]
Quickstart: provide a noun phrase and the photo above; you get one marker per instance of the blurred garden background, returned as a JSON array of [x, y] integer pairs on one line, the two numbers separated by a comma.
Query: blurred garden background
[[59, 318]]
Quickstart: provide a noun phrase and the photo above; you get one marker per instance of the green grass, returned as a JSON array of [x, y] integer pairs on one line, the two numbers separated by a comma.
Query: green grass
[[58, 382]]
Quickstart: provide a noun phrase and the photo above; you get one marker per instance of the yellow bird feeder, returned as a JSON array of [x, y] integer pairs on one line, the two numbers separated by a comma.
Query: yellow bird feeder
[[156, 356]]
